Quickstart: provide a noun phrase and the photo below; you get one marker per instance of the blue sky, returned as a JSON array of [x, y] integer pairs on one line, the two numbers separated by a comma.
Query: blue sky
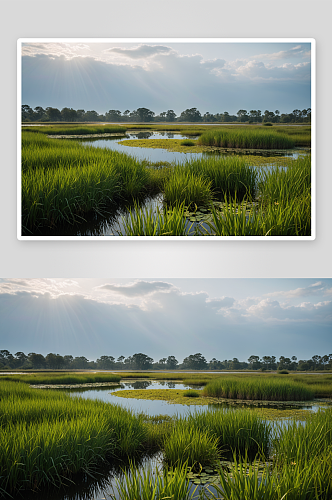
[[213, 77], [222, 318]]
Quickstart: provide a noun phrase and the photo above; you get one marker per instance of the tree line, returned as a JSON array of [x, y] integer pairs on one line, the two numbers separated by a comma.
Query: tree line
[[140, 361], [49, 114]]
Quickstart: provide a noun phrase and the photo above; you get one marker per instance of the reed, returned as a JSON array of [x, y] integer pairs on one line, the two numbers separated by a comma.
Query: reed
[[187, 444], [231, 176], [61, 184], [186, 187], [63, 378], [153, 484], [258, 389], [47, 436], [75, 129], [238, 431], [246, 139], [147, 222]]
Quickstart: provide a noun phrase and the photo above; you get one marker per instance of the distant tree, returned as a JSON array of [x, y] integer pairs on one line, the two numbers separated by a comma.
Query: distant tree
[[68, 115], [195, 362], [91, 116], [171, 363], [141, 361], [39, 113], [113, 115], [120, 359], [106, 362], [214, 364], [208, 117], [68, 359], [242, 115], [80, 115], [190, 115], [20, 359], [269, 116], [170, 115], [27, 113], [80, 362], [144, 114], [53, 114], [254, 362], [54, 361], [37, 360]]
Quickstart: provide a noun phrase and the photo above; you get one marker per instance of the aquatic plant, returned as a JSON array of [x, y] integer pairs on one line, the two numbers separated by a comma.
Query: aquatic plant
[[153, 484], [188, 444], [76, 129], [147, 222], [240, 431], [46, 436], [246, 139], [186, 187], [258, 389]]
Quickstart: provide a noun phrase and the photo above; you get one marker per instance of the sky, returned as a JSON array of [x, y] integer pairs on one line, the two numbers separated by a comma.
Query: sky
[[220, 318], [213, 77]]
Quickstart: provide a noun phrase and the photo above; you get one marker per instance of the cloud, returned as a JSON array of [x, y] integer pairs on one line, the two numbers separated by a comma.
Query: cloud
[[314, 289], [141, 51], [138, 288], [285, 54], [39, 315], [221, 303]]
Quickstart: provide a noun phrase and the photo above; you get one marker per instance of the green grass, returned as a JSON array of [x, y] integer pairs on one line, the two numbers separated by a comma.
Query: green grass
[[47, 436], [191, 394], [62, 378], [184, 186], [188, 444], [75, 129], [239, 431], [153, 484], [283, 207], [63, 181], [246, 139], [258, 389], [231, 176], [147, 222]]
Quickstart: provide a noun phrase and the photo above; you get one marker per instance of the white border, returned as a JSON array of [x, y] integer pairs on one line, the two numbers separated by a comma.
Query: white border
[[312, 41]]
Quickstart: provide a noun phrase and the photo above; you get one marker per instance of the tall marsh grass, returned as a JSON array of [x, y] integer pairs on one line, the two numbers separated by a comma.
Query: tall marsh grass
[[153, 484], [258, 389], [147, 222], [238, 431], [283, 207], [47, 436], [191, 445], [231, 176], [63, 378], [63, 182], [246, 139], [76, 129]]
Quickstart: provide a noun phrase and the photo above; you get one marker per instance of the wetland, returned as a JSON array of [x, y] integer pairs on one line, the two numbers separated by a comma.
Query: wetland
[[183, 437], [220, 181]]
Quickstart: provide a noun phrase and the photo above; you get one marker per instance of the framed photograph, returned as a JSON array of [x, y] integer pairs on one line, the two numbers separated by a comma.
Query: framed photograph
[[179, 138]]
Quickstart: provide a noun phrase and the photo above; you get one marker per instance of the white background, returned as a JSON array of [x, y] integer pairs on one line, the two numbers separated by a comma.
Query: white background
[[160, 18]]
